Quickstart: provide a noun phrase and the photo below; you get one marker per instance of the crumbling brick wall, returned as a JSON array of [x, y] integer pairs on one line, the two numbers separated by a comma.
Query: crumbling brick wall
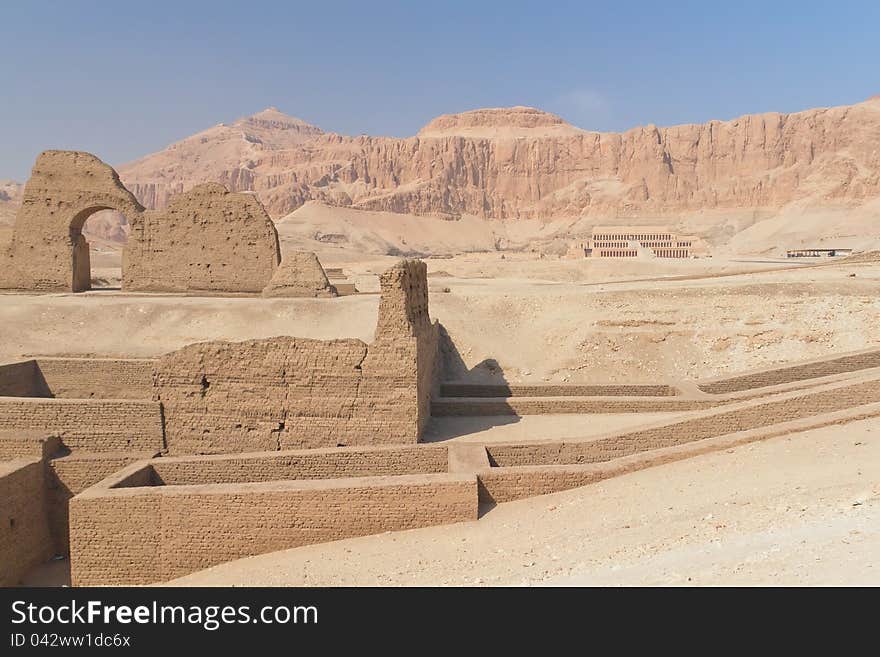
[[27, 443], [404, 325], [90, 425], [800, 372], [207, 239], [155, 533], [331, 463], [24, 530], [69, 475], [48, 252], [287, 393], [97, 378]]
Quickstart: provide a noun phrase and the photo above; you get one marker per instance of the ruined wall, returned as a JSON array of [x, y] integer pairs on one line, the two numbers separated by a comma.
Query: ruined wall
[[299, 275], [404, 324], [305, 464], [91, 425], [287, 393], [555, 390], [65, 189], [463, 406], [27, 443], [152, 534], [70, 475], [24, 531], [801, 372], [100, 378], [743, 417], [207, 239]]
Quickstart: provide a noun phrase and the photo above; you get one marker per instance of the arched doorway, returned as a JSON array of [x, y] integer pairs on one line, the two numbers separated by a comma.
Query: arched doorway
[[98, 236]]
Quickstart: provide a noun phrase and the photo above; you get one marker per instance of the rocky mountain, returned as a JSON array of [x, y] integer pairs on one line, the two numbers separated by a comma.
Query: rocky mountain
[[522, 163], [793, 178], [235, 155]]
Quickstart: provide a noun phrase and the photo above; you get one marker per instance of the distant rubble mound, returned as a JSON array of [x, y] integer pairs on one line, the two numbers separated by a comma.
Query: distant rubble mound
[[300, 274]]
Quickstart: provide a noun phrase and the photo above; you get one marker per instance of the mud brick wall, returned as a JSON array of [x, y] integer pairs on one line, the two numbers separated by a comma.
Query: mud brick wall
[[24, 443], [506, 484], [90, 425], [286, 393], [289, 393], [102, 378], [452, 406], [829, 367], [207, 239], [749, 415], [24, 531], [64, 189], [141, 536], [404, 318], [306, 464], [70, 475], [22, 379], [554, 390]]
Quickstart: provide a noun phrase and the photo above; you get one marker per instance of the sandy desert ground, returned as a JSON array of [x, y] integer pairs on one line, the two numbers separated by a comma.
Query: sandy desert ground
[[520, 318]]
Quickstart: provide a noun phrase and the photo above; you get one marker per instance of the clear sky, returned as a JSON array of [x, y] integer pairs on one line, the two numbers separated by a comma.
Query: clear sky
[[122, 79]]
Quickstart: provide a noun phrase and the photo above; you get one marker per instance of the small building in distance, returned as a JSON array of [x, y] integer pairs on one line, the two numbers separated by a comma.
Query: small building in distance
[[636, 241], [818, 253]]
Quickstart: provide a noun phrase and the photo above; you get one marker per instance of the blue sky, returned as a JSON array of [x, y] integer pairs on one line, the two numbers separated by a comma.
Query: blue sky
[[123, 79]]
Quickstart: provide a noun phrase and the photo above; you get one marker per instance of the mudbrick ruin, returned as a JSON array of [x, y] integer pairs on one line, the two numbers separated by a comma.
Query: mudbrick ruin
[[143, 470], [206, 239]]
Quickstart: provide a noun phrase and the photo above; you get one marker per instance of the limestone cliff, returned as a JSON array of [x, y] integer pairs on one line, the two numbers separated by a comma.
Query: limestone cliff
[[522, 163]]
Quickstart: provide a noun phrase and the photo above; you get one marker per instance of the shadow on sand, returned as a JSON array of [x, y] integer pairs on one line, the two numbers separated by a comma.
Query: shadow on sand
[[453, 368]]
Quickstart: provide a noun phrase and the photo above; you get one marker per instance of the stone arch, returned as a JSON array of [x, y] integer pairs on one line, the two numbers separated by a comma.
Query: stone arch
[[47, 251], [206, 239]]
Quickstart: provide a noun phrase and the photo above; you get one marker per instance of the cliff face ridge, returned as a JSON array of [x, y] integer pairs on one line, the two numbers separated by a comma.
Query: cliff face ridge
[[522, 163]]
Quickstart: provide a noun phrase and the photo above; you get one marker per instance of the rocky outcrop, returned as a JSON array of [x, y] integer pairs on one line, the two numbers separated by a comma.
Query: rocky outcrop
[[522, 163], [300, 274]]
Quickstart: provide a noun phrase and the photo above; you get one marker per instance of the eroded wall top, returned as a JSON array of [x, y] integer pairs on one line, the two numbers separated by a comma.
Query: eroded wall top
[[403, 306]]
